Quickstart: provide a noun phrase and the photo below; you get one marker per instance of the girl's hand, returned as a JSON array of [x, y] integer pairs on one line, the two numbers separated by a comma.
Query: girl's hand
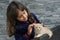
[[30, 28]]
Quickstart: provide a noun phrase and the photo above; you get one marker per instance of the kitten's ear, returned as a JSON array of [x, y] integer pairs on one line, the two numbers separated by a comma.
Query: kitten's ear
[[42, 23]]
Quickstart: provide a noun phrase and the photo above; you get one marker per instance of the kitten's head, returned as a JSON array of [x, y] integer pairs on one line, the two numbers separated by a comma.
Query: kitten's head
[[38, 26]]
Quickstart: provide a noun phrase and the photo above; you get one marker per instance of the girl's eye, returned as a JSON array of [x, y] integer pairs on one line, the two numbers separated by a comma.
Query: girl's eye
[[23, 13], [20, 16]]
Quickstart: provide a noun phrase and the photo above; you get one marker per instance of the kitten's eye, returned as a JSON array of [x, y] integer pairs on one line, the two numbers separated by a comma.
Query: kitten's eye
[[36, 27], [39, 27]]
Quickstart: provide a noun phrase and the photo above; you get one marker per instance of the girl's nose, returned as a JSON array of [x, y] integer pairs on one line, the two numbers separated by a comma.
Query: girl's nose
[[24, 16]]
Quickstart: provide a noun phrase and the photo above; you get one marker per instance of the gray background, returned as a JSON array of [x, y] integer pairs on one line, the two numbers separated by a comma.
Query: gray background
[[47, 11]]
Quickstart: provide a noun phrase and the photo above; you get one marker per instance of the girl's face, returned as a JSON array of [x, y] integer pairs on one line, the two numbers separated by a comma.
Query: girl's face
[[22, 15]]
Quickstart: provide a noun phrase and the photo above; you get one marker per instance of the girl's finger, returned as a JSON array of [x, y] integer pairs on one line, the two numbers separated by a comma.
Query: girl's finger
[[32, 25]]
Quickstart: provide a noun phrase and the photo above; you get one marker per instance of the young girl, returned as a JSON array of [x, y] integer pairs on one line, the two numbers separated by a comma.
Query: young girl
[[20, 22]]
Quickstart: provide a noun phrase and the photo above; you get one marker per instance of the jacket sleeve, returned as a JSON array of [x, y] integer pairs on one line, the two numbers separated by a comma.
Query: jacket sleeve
[[37, 21]]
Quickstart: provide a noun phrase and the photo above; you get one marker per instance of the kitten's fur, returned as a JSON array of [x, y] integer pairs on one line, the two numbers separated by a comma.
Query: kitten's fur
[[40, 30]]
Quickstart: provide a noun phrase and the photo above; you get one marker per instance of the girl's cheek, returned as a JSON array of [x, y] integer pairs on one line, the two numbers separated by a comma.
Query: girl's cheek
[[21, 19]]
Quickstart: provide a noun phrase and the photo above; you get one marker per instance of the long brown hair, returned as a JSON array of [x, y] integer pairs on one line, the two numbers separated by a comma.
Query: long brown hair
[[12, 15]]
